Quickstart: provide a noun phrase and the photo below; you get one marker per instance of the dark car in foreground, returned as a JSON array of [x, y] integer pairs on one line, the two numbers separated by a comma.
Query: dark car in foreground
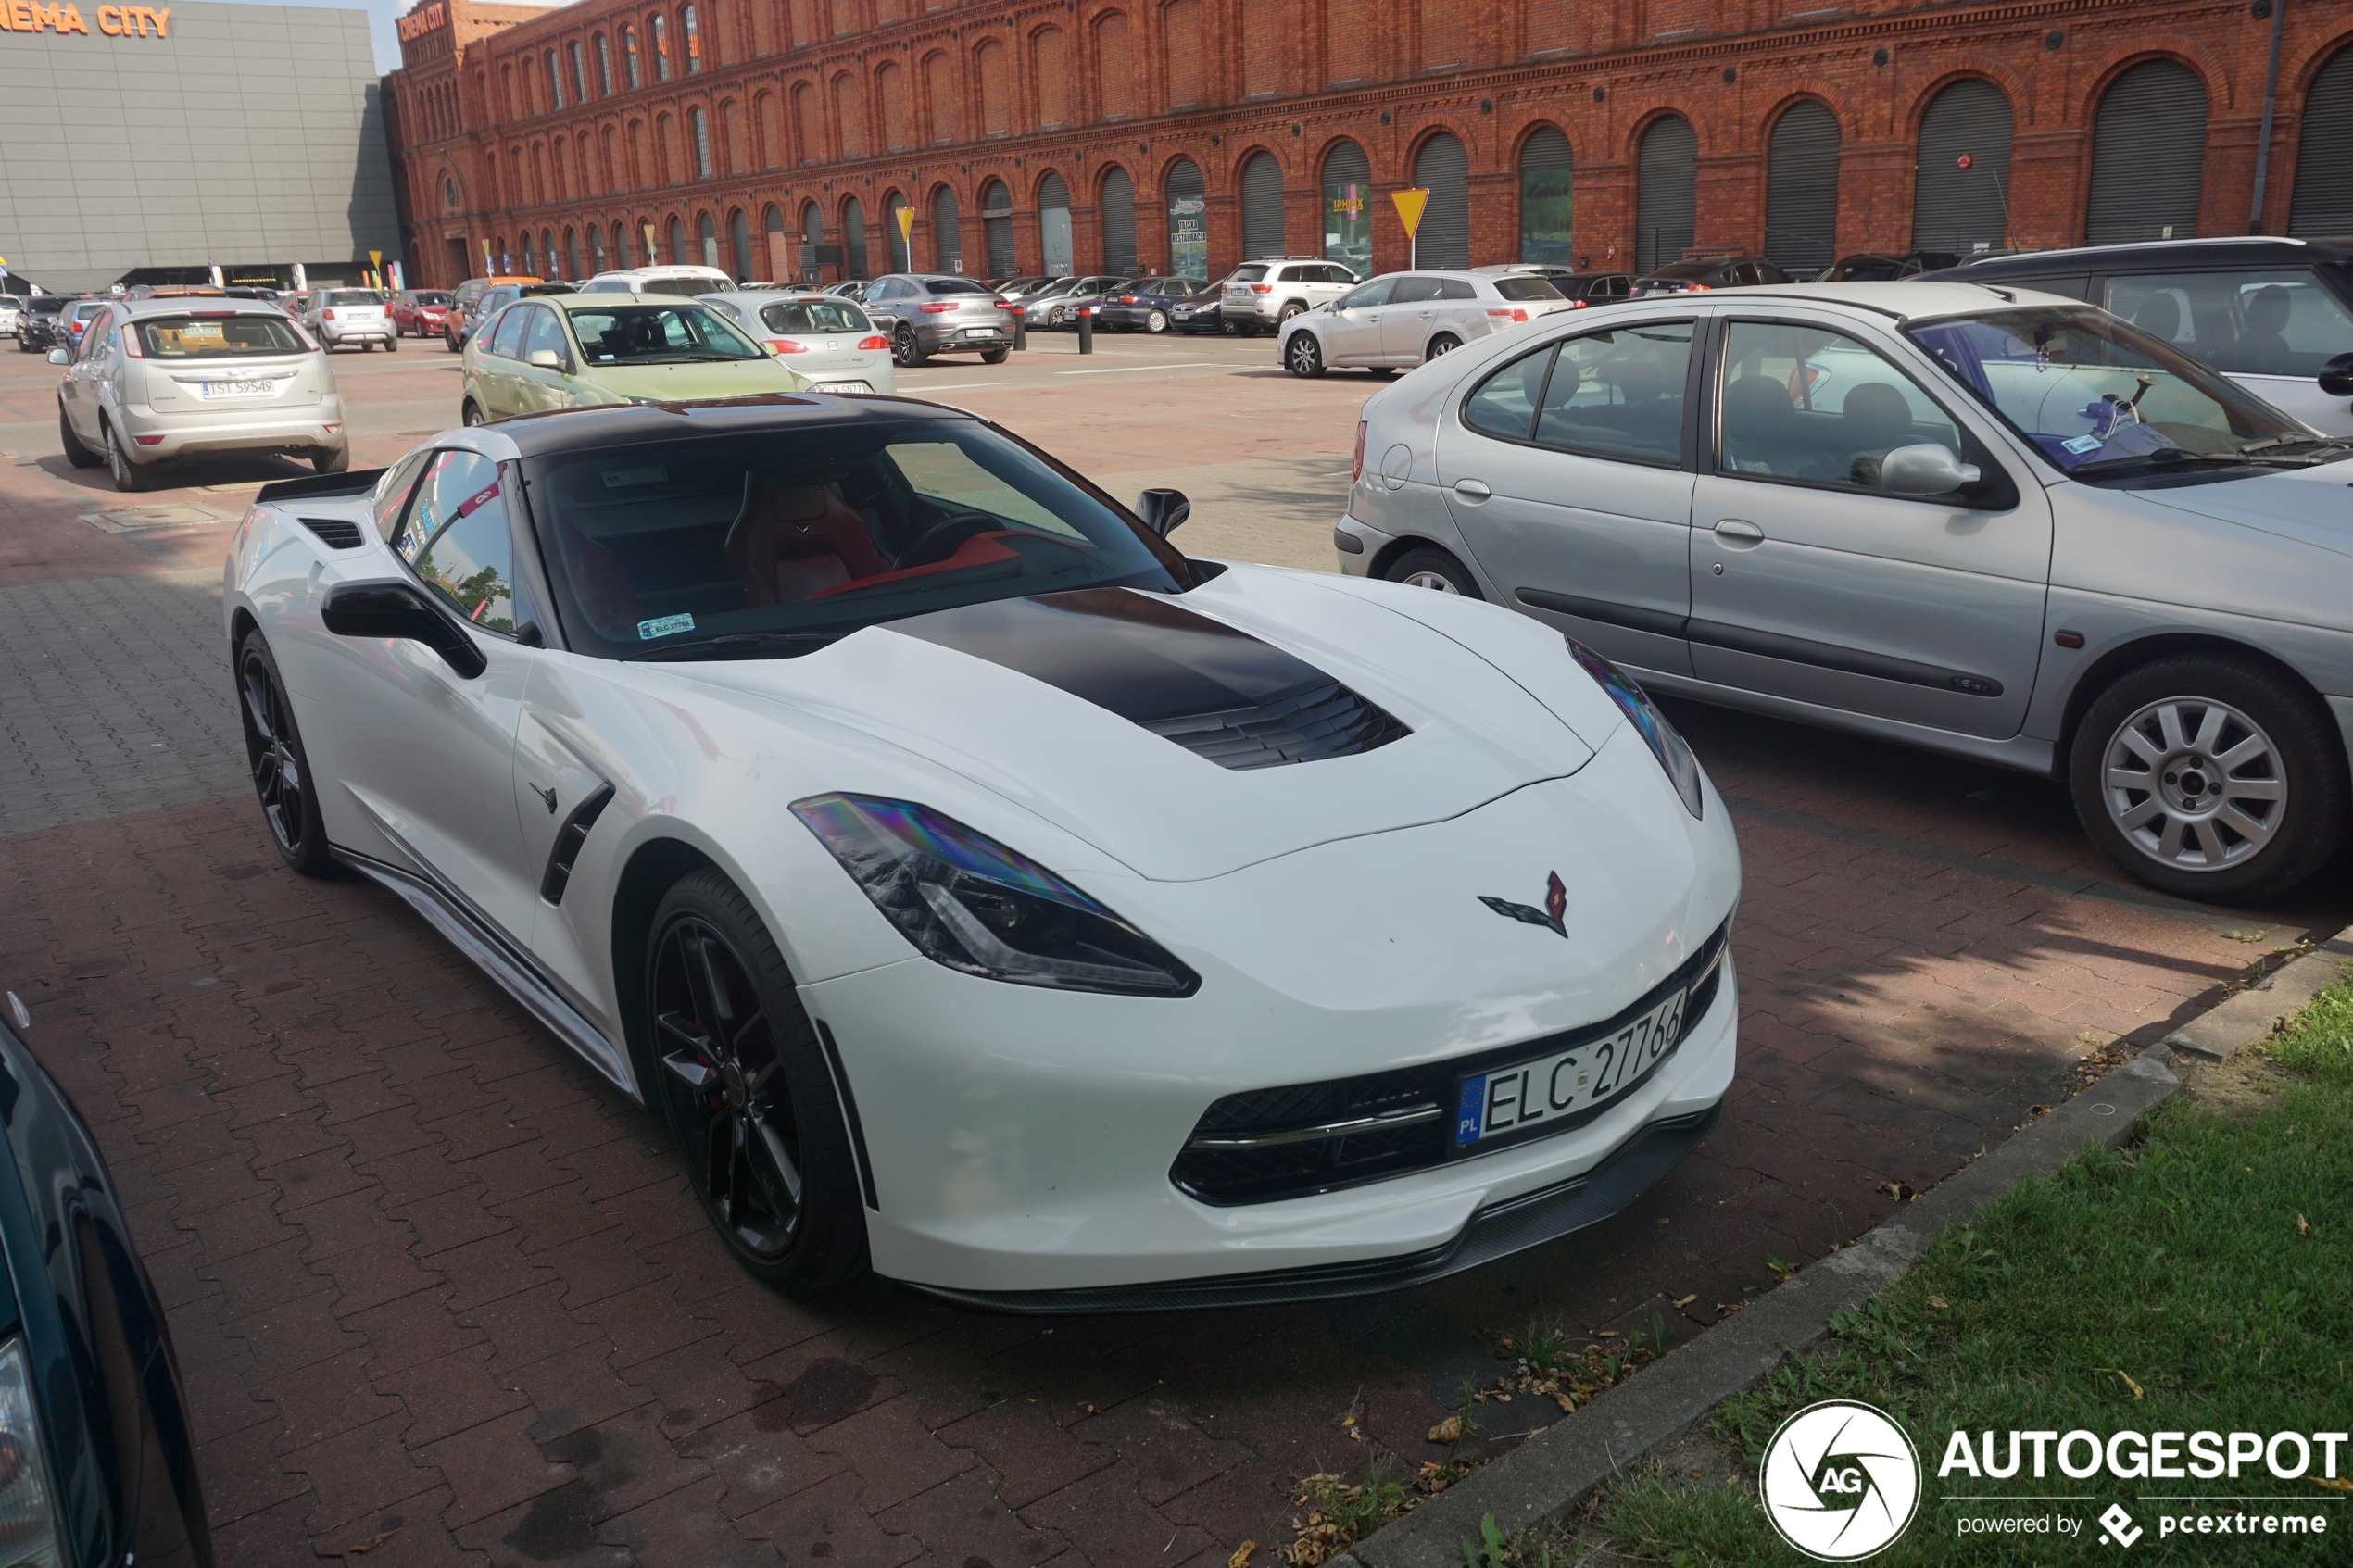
[[1144, 304], [97, 1465], [1873, 266], [1200, 312], [1698, 274], [39, 332]]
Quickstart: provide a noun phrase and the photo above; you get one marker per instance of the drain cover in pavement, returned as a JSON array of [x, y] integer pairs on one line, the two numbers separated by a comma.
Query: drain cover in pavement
[[130, 520]]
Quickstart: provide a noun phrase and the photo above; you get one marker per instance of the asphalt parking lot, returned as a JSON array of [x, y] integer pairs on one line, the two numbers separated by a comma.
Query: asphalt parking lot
[[434, 1287]]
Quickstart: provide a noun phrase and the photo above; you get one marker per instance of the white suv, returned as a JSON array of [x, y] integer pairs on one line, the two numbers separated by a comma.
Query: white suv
[[1402, 318], [1262, 295], [687, 283], [11, 316]]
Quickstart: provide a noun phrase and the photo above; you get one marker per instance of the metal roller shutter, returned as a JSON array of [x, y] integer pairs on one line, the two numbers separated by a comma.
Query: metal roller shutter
[[1052, 193], [1187, 221], [1444, 170], [853, 236], [947, 232], [1347, 220], [1546, 195], [1956, 209], [997, 220], [1665, 193], [1054, 226], [1801, 189], [2323, 201], [1262, 206], [2149, 155], [1119, 223]]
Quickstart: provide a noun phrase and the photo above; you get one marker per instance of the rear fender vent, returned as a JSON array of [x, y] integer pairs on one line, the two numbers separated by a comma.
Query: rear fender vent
[[1326, 721], [335, 532], [569, 841]]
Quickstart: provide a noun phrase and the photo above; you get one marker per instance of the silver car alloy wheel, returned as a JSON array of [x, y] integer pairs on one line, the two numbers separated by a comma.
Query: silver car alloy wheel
[[1437, 580], [2194, 783]]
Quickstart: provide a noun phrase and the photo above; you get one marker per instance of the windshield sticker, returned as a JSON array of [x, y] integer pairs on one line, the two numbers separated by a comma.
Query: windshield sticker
[[2081, 444], [615, 478], [667, 625]]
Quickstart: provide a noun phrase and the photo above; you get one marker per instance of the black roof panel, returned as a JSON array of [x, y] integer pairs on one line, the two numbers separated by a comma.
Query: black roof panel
[[2251, 251], [577, 430]]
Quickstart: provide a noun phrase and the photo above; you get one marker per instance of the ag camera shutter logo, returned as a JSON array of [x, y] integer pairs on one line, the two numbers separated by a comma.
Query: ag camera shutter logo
[[1840, 1481]]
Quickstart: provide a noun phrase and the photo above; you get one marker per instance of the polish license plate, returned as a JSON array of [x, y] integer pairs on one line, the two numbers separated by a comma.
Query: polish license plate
[[1550, 1087], [981, 332], [237, 388], [844, 386]]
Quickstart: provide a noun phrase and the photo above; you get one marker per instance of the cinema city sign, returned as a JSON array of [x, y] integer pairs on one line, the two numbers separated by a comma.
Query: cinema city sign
[[115, 21]]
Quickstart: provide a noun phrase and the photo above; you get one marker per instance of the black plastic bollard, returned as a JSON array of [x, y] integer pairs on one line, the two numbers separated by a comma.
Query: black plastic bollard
[[1086, 329], [1021, 330]]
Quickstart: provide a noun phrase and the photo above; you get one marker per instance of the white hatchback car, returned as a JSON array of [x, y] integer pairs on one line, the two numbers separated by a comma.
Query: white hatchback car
[[2001, 525], [340, 318], [687, 283], [824, 337], [1403, 319]]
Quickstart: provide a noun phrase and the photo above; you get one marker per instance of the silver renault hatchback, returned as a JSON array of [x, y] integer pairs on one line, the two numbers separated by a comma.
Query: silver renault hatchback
[[2002, 524], [162, 378]]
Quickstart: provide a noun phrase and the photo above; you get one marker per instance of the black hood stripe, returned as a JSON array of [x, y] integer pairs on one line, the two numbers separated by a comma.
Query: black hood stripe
[[1217, 691]]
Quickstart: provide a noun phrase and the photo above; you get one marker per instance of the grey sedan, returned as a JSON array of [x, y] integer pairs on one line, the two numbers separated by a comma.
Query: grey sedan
[[928, 313], [2000, 524]]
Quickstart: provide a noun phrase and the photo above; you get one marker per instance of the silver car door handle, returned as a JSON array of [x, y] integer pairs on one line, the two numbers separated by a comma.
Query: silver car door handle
[[1739, 534], [1472, 489]]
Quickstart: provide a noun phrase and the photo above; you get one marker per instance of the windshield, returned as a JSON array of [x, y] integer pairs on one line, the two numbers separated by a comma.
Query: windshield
[[659, 334], [2095, 395], [684, 288], [354, 297], [434, 297], [1527, 288], [815, 316], [218, 337], [770, 544], [955, 285]]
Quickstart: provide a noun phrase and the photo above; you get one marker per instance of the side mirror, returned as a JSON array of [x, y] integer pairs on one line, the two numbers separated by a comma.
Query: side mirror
[[1929, 469], [1163, 511], [59, 356], [400, 610], [547, 360], [2336, 376]]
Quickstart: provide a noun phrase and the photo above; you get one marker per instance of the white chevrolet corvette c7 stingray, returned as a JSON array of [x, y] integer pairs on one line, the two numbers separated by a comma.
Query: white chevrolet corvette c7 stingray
[[986, 893]]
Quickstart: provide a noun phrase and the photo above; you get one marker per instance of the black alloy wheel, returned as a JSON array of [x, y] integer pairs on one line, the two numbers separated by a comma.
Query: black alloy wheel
[[281, 770], [906, 350], [746, 1090]]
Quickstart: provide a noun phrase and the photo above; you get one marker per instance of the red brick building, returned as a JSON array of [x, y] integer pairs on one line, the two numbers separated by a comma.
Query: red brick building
[[1164, 135]]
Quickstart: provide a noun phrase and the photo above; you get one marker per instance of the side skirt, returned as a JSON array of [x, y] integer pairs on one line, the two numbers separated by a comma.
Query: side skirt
[[496, 956]]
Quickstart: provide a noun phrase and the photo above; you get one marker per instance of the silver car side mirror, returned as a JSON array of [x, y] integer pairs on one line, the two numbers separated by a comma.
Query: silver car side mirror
[[59, 356], [547, 360], [1928, 469]]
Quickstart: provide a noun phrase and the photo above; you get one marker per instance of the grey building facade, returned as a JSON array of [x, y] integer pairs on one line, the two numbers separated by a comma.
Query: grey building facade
[[149, 144]]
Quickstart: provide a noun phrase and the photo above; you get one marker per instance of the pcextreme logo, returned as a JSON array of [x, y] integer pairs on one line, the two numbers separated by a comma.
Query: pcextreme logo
[[1840, 1481]]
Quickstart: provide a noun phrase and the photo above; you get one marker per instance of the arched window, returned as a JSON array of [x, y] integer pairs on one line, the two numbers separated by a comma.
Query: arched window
[[1960, 201], [708, 232], [1801, 188], [677, 242], [604, 67], [620, 246], [947, 235], [1054, 226], [1348, 209], [572, 253], [1443, 169], [1545, 198], [1262, 185], [699, 124], [771, 225], [739, 232], [579, 72], [597, 247], [1187, 221], [1118, 208], [690, 30], [632, 70], [997, 224], [901, 250], [547, 251], [2321, 202], [449, 194], [1665, 191], [555, 83], [2148, 156], [853, 237], [658, 31]]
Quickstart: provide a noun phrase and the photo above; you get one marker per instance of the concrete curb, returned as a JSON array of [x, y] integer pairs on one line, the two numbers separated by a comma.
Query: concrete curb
[[1560, 1467]]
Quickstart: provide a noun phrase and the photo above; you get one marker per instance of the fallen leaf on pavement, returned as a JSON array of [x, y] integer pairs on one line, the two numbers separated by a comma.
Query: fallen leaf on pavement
[[1687, 1300], [1447, 1431], [371, 1543], [1241, 1555]]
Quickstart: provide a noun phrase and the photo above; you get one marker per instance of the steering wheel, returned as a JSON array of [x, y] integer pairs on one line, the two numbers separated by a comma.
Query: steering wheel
[[962, 525]]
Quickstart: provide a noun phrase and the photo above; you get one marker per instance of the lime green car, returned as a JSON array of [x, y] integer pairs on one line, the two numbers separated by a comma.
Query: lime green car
[[578, 351]]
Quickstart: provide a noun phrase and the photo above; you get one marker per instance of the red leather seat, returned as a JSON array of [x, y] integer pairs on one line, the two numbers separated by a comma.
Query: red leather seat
[[791, 544]]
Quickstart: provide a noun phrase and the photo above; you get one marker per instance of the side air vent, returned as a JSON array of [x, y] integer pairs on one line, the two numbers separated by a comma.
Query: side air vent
[[1325, 721], [337, 534], [569, 840]]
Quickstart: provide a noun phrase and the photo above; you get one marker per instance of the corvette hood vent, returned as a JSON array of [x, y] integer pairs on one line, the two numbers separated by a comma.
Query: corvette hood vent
[[1216, 690]]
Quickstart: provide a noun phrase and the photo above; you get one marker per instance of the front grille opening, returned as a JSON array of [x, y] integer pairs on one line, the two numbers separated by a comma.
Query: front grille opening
[[1324, 720], [1262, 1146]]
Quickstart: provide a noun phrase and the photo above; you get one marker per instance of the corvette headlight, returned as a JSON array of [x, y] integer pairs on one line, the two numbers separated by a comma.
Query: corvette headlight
[[1667, 742], [28, 1515], [967, 901]]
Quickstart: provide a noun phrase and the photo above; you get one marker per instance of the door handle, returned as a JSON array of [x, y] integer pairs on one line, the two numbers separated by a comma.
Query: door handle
[[1472, 489], [1738, 534]]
